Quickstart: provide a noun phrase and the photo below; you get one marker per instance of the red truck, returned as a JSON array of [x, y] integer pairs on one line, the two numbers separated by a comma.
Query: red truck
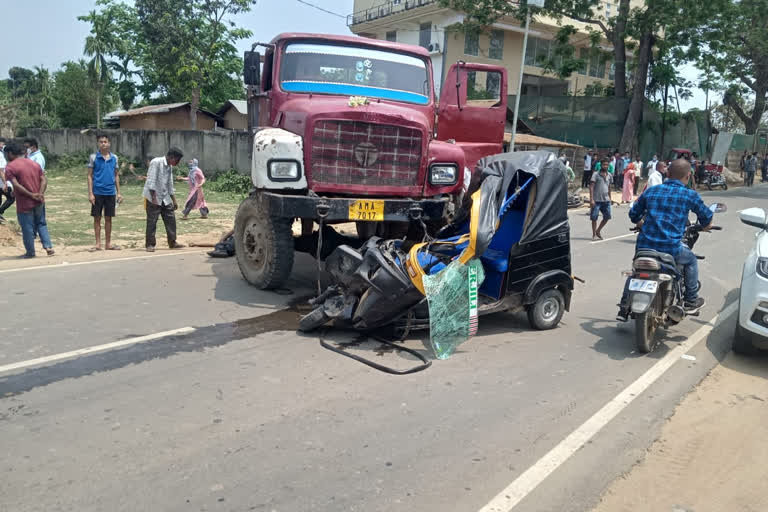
[[348, 129]]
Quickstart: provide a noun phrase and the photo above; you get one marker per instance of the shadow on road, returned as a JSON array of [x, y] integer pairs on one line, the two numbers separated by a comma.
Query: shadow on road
[[617, 340]]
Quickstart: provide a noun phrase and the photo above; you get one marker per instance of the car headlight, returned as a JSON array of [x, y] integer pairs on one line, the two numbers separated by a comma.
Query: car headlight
[[762, 267], [283, 170], [441, 174]]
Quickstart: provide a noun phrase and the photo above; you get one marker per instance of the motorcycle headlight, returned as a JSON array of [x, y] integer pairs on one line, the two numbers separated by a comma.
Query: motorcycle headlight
[[762, 267], [283, 170], [442, 174]]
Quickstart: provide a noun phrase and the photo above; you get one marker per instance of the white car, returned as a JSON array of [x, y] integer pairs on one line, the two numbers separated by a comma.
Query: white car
[[752, 327]]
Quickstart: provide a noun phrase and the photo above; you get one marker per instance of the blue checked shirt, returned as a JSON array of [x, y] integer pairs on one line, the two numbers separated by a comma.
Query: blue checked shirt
[[665, 208]]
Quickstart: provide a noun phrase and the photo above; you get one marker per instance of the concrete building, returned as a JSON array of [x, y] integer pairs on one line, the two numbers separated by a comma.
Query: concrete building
[[234, 115], [424, 23], [171, 116]]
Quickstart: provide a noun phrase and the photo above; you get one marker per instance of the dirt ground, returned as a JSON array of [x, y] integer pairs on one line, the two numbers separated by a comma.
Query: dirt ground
[[711, 455]]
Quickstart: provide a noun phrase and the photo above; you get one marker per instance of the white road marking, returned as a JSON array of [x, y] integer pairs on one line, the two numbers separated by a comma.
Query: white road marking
[[524, 484], [613, 238], [78, 263], [97, 348]]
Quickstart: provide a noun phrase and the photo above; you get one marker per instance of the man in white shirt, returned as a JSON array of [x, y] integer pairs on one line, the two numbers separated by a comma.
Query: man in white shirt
[[6, 188], [160, 198], [34, 153], [655, 177]]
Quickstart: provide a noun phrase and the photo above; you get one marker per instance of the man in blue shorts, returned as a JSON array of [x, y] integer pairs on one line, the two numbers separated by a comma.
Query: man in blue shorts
[[103, 191], [600, 198]]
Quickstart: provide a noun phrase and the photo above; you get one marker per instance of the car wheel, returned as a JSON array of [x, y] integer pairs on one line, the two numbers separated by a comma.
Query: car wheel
[[742, 344]]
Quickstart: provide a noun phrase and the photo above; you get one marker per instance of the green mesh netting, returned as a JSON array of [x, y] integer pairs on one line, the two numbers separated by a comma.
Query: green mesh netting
[[452, 295]]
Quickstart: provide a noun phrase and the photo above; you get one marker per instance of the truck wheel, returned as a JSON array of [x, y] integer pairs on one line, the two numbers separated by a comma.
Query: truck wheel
[[263, 246], [547, 311]]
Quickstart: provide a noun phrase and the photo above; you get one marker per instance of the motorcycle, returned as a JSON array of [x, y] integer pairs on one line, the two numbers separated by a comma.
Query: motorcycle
[[714, 178], [657, 288]]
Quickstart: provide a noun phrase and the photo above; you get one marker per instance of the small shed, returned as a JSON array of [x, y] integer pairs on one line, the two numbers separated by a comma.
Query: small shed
[[234, 115], [527, 141], [170, 116]]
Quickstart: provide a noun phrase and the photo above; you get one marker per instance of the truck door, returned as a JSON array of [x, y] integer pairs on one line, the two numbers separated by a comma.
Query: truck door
[[473, 109]]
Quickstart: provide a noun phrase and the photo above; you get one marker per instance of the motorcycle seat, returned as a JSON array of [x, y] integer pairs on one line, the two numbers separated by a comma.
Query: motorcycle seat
[[661, 256]]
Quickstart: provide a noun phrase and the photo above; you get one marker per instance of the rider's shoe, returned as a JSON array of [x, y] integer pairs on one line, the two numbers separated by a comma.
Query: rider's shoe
[[695, 305], [623, 314]]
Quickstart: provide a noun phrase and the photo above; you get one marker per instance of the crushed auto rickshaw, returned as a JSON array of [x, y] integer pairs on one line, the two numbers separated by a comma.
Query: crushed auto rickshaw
[[508, 249]]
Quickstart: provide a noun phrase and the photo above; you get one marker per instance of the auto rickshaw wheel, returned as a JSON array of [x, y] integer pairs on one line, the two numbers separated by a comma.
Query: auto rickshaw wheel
[[547, 311], [263, 246]]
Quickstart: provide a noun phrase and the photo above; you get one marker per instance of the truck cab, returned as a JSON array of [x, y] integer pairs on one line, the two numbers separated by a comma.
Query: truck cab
[[348, 129]]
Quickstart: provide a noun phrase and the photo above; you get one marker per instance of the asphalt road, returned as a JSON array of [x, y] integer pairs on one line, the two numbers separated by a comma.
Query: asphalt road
[[245, 414]]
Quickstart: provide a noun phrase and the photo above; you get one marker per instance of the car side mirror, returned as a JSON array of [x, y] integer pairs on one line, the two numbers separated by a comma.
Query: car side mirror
[[753, 217], [718, 208], [251, 68]]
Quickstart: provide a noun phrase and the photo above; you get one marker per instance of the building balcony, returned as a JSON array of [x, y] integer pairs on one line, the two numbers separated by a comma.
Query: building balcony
[[386, 9]]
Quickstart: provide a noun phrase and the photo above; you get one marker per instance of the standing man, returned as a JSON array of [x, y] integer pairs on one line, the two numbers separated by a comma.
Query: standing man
[[103, 191], [29, 183], [750, 168], [586, 177], [33, 152], [620, 165], [6, 188], [763, 168], [600, 198], [160, 198], [656, 176], [651, 166]]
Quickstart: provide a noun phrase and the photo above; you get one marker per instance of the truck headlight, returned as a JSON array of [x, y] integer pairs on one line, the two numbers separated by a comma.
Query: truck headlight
[[283, 170], [442, 174], [762, 267]]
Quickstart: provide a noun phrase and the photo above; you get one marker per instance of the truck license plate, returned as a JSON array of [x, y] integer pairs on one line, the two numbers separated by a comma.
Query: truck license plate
[[366, 210], [641, 285]]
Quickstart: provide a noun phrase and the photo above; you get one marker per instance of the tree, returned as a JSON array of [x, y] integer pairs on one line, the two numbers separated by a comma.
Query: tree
[[97, 46], [733, 44], [75, 93], [188, 51], [125, 87]]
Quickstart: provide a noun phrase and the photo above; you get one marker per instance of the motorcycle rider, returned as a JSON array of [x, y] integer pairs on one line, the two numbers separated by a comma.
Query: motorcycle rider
[[662, 213]]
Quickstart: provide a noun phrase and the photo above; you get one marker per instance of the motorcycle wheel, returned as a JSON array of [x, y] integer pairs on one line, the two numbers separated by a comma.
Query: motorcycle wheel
[[313, 320], [725, 186], [709, 185], [645, 330]]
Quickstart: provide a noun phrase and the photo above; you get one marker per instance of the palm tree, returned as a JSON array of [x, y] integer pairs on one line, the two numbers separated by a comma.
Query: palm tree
[[43, 85], [126, 89], [97, 46]]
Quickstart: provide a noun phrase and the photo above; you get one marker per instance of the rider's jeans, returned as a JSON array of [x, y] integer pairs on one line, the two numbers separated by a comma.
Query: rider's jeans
[[690, 264]]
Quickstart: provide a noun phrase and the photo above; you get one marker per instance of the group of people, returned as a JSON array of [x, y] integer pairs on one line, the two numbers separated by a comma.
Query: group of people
[[23, 182], [749, 166]]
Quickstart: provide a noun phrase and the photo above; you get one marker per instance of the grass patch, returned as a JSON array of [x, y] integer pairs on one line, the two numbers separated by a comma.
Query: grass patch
[[68, 210]]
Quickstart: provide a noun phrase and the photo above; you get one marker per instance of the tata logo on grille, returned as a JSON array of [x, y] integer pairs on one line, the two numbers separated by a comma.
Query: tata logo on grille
[[366, 154]]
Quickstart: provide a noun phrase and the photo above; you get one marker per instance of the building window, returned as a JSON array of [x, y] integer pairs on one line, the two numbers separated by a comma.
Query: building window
[[471, 44], [425, 34], [496, 50], [596, 66], [607, 10], [392, 36], [584, 56], [612, 71], [538, 51], [493, 85]]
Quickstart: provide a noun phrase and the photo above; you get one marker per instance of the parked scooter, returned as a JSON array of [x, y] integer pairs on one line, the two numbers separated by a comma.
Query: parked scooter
[[657, 288]]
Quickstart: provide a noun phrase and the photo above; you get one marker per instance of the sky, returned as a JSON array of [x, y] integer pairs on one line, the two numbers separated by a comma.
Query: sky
[[58, 36]]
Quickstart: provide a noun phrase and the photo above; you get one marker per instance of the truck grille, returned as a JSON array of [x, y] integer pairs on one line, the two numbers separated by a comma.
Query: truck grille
[[358, 153]]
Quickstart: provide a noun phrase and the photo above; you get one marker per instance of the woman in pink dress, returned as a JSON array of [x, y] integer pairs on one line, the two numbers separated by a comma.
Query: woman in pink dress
[[627, 194], [195, 199]]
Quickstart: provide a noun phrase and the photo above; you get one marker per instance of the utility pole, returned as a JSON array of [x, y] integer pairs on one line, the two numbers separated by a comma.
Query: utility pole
[[531, 3]]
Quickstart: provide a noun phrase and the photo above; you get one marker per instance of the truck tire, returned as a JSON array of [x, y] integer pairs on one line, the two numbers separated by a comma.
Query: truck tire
[[742, 344], [263, 246], [547, 311]]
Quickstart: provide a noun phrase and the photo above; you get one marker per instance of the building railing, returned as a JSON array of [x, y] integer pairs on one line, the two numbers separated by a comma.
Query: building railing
[[386, 9]]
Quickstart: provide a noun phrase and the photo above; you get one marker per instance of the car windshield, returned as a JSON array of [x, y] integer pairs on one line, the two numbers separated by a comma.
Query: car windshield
[[354, 71]]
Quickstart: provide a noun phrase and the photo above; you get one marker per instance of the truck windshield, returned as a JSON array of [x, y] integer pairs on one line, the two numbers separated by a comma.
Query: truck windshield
[[354, 71]]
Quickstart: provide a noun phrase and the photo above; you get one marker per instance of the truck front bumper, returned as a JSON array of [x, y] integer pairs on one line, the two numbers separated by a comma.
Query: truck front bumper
[[345, 209]]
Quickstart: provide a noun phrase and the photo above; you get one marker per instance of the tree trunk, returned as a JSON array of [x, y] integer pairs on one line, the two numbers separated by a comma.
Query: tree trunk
[[193, 105], [629, 133], [664, 120], [620, 51], [98, 105], [751, 122]]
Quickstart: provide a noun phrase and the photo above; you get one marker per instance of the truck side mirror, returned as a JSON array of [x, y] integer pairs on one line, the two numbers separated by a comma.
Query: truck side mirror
[[251, 68]]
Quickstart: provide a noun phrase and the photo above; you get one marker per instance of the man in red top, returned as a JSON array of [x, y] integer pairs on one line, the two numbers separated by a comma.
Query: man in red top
[[29, 184]]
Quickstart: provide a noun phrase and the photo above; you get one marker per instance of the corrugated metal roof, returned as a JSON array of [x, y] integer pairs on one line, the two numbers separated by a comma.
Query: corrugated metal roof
[[535, 140], [151, 109], [240, 105]]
